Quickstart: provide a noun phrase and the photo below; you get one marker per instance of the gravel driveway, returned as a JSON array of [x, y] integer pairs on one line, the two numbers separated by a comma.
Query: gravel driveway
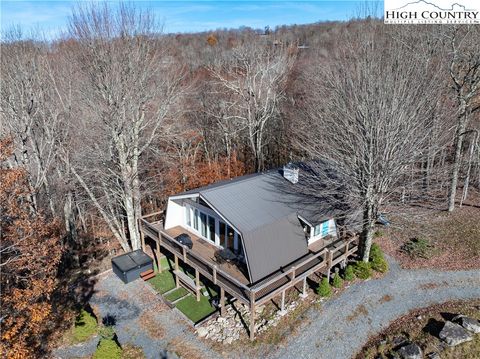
[[337, 330], [345, 323]]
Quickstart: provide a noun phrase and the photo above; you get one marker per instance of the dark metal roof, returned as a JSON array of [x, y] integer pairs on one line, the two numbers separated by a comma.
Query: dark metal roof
[[265, 207]]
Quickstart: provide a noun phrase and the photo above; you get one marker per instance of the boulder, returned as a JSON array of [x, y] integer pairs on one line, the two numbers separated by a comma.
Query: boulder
[[468, 323], [410, 351], [202, 331], [454, 334]]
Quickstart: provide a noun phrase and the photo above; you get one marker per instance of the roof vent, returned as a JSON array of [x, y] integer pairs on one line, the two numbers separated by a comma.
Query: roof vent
[[290, 172]]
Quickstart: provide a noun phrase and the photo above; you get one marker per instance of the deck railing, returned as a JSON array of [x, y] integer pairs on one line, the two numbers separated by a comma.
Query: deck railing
[[265, 290]]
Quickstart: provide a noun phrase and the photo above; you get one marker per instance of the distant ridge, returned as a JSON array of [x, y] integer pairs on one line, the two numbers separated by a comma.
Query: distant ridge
[[438, 7]]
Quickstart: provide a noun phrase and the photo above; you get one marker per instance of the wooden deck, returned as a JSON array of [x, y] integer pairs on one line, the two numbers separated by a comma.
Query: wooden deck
[[207, 252]]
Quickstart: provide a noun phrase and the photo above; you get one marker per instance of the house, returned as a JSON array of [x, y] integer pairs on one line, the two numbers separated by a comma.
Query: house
[[260, 217], [276, 232]]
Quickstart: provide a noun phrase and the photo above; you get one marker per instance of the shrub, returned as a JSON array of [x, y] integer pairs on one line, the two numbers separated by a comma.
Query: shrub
[[362, 270], [349, 274], [337, 282], [378, 233], [85, 326], [108, 349], [377, 260], [324, 289], [417, 247]]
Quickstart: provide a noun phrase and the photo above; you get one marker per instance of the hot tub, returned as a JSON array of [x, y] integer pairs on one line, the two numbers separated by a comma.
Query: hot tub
[[128, 266]]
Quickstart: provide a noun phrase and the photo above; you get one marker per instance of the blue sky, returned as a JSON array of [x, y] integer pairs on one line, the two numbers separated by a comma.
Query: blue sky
[[187, 16]]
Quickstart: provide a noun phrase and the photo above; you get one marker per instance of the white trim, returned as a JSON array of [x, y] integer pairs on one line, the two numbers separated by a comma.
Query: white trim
[[183, 196]]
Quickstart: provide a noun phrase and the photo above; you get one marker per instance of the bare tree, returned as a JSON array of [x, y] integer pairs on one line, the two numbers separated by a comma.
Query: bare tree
[[465, 76], [255, 76], [127, 92], [369, 115]]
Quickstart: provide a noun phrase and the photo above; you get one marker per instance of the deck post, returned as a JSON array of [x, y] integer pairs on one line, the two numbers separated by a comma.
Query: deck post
[[177, 282], [184, 255], [159, 253], [214, 274], [142, 239], [304, 289], [222, 301], [282, 308], [197, 284], [252, 316], [344, 262], [329, 263]]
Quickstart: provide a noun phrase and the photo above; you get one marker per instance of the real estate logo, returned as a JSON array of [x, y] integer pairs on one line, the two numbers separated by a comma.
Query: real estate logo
[[432, 12]]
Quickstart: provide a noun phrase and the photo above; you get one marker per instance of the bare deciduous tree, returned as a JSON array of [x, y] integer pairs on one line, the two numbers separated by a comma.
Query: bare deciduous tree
[[368, 114], [255, 76], [465, 76], [127, 93]]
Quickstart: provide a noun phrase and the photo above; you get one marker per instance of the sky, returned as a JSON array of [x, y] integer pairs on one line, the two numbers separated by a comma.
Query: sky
[[51, 17]]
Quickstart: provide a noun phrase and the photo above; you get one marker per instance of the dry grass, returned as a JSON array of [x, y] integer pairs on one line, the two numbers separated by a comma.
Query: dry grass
[[359, 311], [454, 236], [386, 298], [153, 329], [184, 349], [132, 352], [422, 327]]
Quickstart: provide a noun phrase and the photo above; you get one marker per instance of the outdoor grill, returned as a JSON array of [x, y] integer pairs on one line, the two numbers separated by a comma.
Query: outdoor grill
[[128, 266]]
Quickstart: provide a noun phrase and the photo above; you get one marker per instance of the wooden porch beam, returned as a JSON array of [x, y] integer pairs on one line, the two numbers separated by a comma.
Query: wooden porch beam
[[159, 253], [197, 284], [222, 301], [177, 281], [282, 307], [252, 317], [304, 289]]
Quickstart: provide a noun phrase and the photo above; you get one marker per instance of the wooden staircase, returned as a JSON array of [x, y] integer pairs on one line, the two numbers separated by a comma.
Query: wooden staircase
[[147, 274]]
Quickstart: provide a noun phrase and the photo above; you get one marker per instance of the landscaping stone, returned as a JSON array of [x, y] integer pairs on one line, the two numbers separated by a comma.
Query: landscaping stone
[[468, 323], [410, 351], [454, 334], [202, 331], [400, 340]]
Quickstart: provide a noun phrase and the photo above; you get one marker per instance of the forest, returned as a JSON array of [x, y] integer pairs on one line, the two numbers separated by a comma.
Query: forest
[[101, 124]]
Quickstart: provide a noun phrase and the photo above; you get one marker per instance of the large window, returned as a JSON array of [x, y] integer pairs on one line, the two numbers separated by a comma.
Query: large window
[[212, 228]]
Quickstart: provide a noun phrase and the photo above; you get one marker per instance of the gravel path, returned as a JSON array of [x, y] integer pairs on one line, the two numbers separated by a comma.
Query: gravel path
[[337, 330], [344, 324]]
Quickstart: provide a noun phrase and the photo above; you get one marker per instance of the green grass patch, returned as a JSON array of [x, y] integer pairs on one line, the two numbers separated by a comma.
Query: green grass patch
[[194, 310], [108, 349], [85, 327], [176, 294], [165, 281]]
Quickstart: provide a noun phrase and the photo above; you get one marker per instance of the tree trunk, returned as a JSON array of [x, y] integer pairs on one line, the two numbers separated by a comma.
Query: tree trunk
[[369, 219], [462, 124]]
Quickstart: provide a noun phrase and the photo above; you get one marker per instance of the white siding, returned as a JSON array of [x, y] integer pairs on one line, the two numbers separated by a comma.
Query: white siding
[[175, 215]]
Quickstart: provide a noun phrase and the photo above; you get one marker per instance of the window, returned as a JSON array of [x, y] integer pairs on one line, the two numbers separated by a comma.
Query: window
[[195, 220], [317, 230], [211, 229], [203, 224], [222, 234], [188, 219], [230, 236]]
